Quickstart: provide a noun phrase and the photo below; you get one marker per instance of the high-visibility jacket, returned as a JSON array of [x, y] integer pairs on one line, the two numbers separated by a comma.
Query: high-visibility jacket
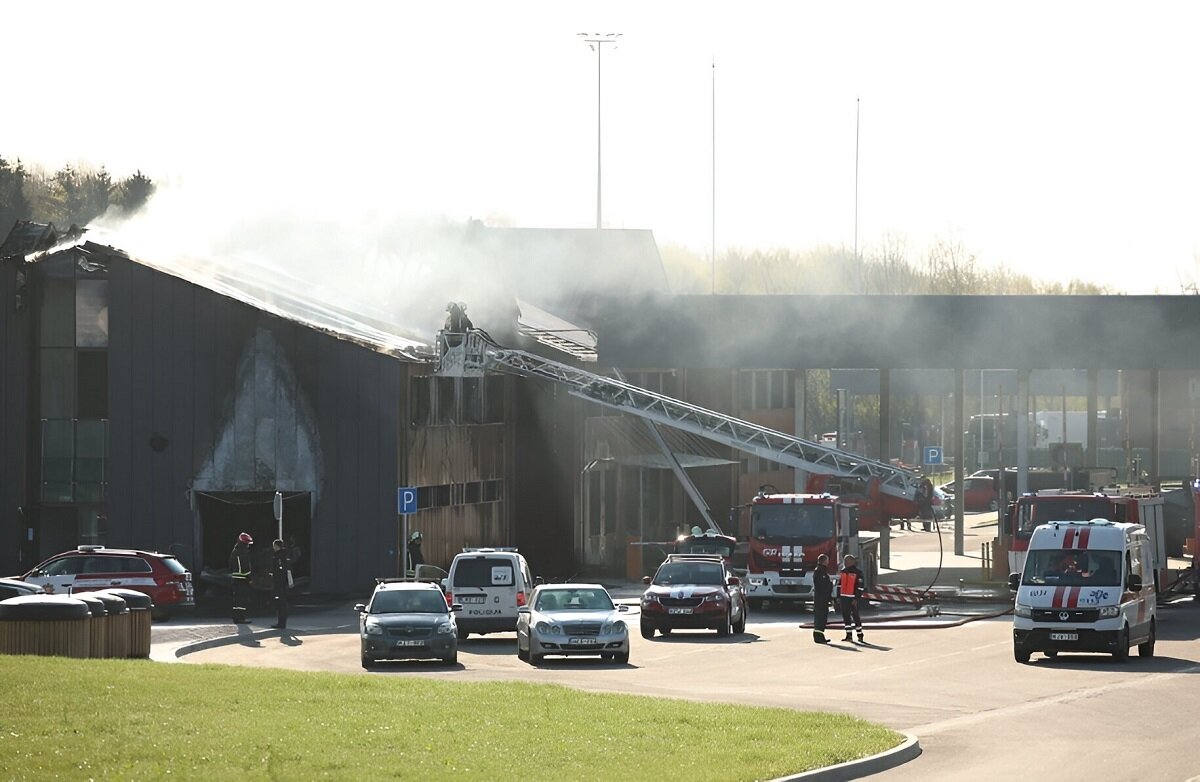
[[239, 561], [850, 582]]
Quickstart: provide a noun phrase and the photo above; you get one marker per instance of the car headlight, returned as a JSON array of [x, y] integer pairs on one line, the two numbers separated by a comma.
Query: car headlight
[[373, 628], [613, 628], [445, 628], [1023, 610], [715, 597], [1108, 612], [548, 628]]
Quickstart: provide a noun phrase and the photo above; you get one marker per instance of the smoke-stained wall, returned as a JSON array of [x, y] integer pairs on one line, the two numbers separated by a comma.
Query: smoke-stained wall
[[175, 355]]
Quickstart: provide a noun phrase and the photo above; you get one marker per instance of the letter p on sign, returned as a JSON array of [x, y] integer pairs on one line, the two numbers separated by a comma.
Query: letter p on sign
[[406, 500]]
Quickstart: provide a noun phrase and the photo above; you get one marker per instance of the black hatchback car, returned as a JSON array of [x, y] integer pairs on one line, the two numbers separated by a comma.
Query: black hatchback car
[[693, 592]]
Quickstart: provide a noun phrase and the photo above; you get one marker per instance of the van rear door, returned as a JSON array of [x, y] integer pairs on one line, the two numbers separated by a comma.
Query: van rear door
[[485, 586]]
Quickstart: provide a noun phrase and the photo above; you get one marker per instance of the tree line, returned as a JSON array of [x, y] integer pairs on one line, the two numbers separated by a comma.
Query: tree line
[[72, 195]]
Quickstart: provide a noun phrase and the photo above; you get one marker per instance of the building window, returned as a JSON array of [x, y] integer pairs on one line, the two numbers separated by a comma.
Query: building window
[[766, 389]]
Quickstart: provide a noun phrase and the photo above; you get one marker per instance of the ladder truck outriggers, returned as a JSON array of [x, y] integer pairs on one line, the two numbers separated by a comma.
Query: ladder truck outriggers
[[471, 353]]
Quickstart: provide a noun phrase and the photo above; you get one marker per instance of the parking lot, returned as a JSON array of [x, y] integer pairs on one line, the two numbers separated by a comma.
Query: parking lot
[[950, 680]]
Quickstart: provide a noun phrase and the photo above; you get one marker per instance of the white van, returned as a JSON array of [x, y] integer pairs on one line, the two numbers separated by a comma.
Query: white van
[[1087, 586], [490, 584]]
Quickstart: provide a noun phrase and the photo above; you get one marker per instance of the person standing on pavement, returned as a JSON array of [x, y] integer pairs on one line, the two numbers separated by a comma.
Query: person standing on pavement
[[281, 566], [240, 568], [851, 586], [822, 595]]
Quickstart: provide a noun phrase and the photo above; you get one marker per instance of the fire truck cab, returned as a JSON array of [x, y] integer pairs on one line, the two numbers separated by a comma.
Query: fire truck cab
[[787, 532]]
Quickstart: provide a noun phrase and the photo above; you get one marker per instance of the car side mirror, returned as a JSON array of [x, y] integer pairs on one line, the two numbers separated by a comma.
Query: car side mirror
[[360, 607], [1014, 581], [733, 581], [645, 579], [523, 610], [1134, 582], [623, 609]]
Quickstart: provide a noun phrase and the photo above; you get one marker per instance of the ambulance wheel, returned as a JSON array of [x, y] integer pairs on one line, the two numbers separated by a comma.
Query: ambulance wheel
[[1147, 649], [1121, 653], [1020, 655]]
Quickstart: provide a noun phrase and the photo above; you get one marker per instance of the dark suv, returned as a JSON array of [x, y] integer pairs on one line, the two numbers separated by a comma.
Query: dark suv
[[161, 576], [693, 591]]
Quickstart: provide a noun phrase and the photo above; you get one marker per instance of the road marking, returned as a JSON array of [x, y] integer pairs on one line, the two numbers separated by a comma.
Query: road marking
[[1066, 697]]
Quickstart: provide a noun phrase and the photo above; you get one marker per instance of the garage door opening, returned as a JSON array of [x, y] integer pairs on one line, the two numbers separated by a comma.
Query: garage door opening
[[225, 515]]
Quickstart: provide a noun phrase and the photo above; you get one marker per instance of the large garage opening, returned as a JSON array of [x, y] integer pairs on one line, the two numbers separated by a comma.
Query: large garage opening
[[225, 515]]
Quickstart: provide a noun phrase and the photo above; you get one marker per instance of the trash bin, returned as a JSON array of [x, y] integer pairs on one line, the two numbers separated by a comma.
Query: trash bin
[[141, 608], [117, 618], [97, 624], [44, 625]]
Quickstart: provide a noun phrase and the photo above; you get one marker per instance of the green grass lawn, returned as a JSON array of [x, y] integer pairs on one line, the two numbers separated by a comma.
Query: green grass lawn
[[135, 719]]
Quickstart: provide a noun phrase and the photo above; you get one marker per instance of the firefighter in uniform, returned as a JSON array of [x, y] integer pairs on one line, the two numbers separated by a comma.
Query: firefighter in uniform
[[281, 566], [822, 594], [851, 586], [239, 570]]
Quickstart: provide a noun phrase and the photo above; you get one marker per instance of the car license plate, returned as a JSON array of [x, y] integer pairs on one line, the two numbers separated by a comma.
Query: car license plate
[[410, 643], [472, 599], [679, 610], [581, 641], [1064, 636]]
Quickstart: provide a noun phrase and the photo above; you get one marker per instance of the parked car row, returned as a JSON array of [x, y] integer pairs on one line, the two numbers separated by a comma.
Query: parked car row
[[490, 590]]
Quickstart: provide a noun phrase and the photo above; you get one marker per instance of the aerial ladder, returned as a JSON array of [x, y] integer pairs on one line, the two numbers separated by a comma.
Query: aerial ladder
[[472, 353]]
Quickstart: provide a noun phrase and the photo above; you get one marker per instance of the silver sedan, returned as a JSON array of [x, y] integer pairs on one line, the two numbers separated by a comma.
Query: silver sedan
[[569, 620]]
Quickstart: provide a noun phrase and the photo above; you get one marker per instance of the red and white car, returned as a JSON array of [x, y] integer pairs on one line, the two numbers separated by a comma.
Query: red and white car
[[89, 568]]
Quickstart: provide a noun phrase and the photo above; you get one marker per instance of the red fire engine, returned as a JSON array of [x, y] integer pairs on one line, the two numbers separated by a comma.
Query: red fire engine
[[788, 532]]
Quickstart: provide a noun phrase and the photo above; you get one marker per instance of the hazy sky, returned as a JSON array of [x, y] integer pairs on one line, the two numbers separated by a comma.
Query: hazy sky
[[1057, 138]]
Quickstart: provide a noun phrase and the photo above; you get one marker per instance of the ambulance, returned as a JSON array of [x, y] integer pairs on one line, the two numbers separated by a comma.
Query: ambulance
[[1087, 586]]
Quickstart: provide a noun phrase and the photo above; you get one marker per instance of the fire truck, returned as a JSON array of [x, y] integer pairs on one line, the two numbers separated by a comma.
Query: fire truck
[[1136, 505], [893, 489], [787, 534], [876, 508]]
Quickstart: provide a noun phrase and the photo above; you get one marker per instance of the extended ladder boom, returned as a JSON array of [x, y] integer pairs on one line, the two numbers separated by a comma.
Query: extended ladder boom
[[472, 353]]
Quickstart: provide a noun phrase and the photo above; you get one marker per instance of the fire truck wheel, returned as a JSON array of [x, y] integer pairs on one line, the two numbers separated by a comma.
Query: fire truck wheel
[[647, 630], [1146, 649], [1020, 655], [1121, 653], [723, 629]]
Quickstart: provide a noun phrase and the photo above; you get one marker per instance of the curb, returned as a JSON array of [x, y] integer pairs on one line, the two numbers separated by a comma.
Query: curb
[[908, 750]]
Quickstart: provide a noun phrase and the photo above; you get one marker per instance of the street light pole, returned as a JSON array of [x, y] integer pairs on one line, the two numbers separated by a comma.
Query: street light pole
[[596, 41]]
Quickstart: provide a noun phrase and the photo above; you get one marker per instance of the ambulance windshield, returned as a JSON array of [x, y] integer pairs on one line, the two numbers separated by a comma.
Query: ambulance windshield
[[1073, 567]]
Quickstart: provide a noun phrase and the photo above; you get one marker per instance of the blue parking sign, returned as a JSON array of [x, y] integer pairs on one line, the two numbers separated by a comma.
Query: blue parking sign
[[933, 455], [406, 499]]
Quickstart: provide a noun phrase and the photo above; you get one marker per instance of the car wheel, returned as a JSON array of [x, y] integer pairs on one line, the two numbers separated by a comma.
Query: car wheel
[[368, 662], [462, 634], [740, 627], [535, 658], [1146, 649], [723, 628], [1121, 653], [522, 654], [622, 658], [647, 630], [451, 659], [159, 614], [1020, 655]]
